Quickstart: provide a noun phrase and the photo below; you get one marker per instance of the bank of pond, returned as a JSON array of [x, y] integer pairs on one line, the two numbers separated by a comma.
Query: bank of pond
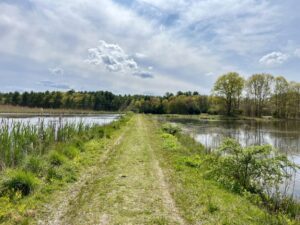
[[267, 151], [46, 153]]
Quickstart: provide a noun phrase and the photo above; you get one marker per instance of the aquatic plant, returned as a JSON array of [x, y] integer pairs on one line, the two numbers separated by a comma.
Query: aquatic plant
[[18, 140]]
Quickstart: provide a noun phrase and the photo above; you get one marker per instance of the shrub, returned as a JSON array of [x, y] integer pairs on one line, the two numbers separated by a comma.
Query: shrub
[[56, 158], [20, 181], [258, 170], [253, 168], [194, 161], [171, 129], [170, 142]]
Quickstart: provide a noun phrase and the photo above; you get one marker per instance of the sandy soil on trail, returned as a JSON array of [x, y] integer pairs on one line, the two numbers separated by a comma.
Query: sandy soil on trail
[[59, 207]]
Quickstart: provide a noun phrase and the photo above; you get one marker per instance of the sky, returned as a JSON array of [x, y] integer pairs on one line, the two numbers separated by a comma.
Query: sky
[[144, 46]]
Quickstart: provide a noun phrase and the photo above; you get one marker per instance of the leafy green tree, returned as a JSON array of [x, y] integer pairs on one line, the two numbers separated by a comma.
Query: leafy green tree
[[230, 86], [280, 96], [259, 89], [293, 103]]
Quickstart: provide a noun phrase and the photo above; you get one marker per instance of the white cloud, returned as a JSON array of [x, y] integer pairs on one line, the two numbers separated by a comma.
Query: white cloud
[[274, 58], [166, 5], [112, 56], [207, 36], [56, 71]]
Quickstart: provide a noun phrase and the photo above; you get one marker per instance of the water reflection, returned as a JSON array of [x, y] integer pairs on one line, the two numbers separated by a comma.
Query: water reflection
[[283, 135], [86, 120]]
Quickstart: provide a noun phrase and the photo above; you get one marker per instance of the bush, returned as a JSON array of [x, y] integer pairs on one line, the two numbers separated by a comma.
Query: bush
[[20, 181], [194, 161], [170, 142], [252, 168], [258, 170], [171, 129], [34, 164], [56, 158]]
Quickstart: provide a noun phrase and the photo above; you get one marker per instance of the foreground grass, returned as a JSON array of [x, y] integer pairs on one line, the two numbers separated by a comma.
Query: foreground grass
[[66, 165]]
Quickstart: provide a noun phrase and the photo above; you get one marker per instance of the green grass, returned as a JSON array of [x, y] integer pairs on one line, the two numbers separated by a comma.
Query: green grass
[[203, 200], [128, 172], [26, 190], [19, 181]]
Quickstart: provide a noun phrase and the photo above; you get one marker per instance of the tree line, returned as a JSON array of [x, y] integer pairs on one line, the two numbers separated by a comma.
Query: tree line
[[259, 95]]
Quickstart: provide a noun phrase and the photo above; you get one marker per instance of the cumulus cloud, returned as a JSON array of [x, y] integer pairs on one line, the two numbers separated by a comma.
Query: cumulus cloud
[[180, 38], [51, 84], [114, 58], [274, 58], [56, 71]]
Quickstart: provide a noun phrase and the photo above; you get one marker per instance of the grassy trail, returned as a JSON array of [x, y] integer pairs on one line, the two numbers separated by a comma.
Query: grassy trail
[[127, 187]]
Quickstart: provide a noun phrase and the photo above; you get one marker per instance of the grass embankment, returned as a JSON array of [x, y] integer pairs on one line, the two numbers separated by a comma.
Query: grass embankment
[[140, 175], [200, 199], [27, 188], [27, 111]]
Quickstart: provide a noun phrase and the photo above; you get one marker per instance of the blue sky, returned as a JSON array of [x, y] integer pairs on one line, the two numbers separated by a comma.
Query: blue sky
[[144, 46]]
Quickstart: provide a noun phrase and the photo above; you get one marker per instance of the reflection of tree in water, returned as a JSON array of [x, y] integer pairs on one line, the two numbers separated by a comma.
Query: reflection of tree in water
[[285, 136]]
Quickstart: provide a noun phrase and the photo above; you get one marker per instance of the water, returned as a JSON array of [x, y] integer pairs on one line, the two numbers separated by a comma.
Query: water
[[86, 119], [283, 135]]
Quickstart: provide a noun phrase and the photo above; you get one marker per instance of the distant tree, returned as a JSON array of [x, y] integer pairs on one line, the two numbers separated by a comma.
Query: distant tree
[[168, 95], [293, 103], [230, 86], [259, 88], [280, 96], [16, 98]]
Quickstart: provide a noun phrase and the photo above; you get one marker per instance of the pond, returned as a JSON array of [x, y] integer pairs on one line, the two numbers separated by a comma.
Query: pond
[[283, 135], [100, 119]]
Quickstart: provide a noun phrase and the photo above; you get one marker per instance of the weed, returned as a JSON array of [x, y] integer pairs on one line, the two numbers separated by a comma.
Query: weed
[[71, 152], [20, 181], [56, 158], [34, 164], [171, 129]]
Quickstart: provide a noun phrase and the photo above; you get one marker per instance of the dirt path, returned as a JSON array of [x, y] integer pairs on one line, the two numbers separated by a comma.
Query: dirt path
[[128, 187]]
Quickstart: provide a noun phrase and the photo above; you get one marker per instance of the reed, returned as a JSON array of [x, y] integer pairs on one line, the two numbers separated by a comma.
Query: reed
[[18, 140]]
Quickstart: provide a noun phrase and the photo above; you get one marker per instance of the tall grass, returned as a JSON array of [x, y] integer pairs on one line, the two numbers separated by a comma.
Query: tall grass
[[18, 140]]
